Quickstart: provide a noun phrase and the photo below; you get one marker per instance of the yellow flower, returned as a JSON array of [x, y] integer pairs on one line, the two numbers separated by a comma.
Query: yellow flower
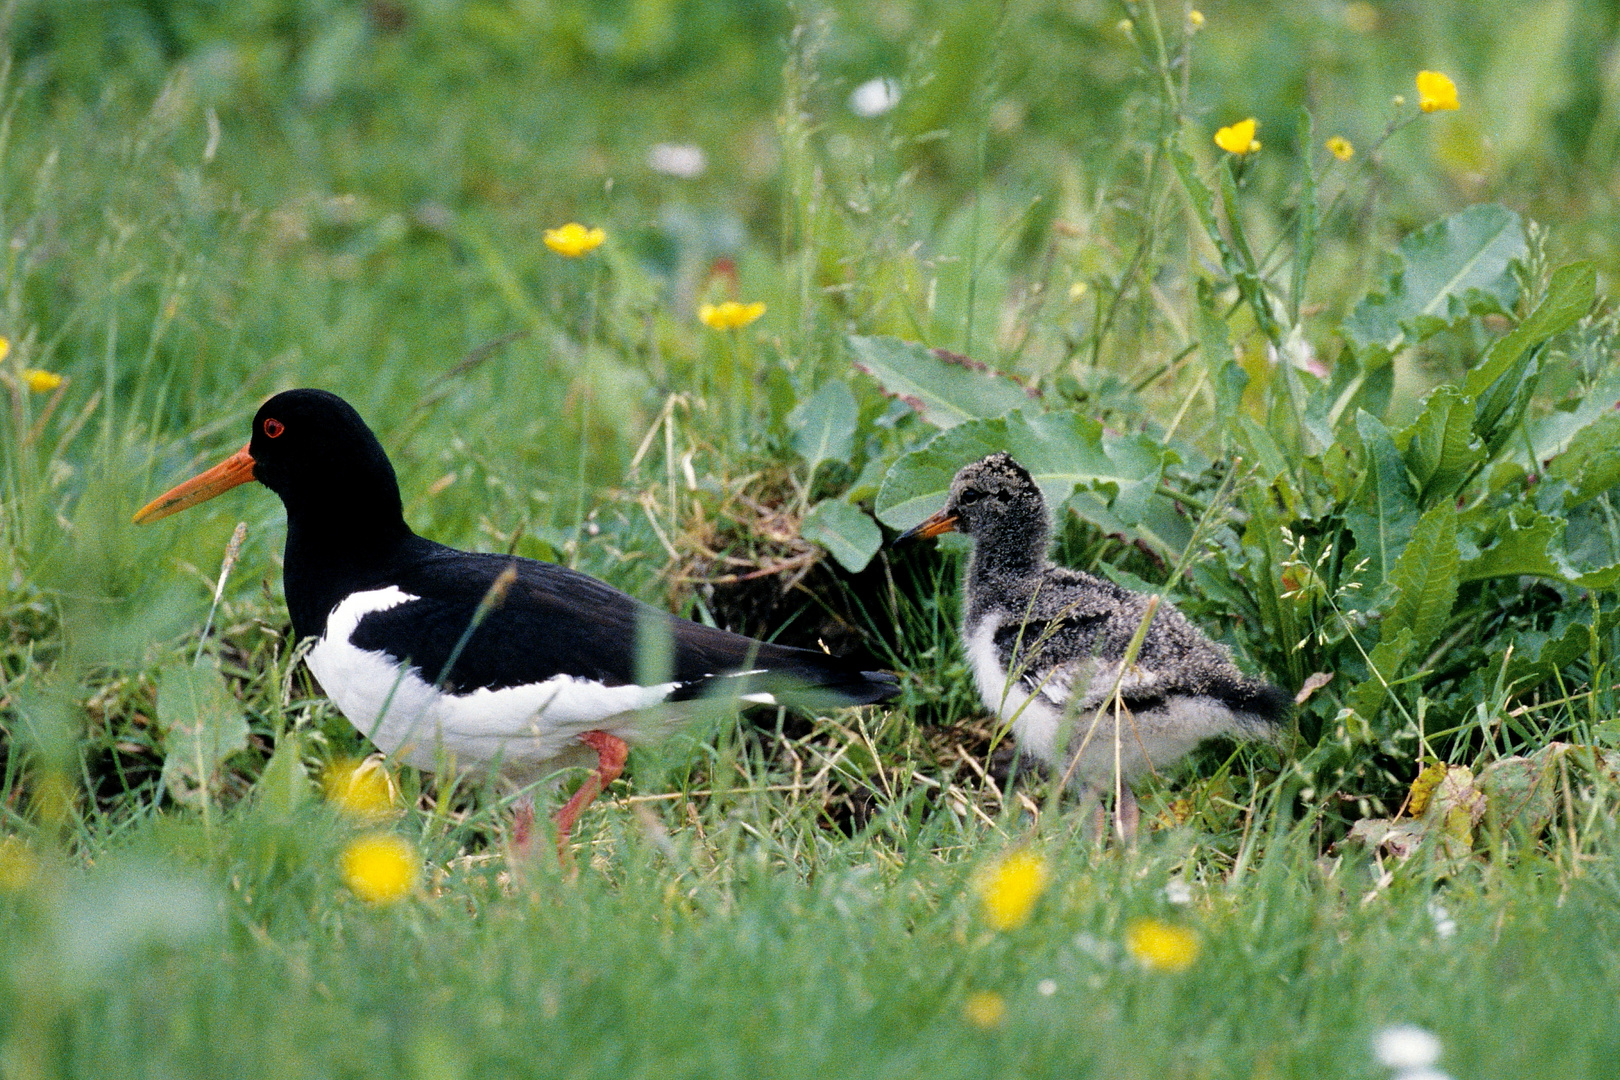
[[574, 239], [1239, 138], [41, 382], [1435, 92], [1161, 946], [1009, 889], [985, 1009], [5, 346], [729, 315], [1340, 147], [1196, 18], [361, 789], [18, 867], [380, 868]]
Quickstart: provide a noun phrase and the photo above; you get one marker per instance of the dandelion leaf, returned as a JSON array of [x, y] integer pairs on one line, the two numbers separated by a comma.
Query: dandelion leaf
[[1384, 664], [1511, 546], [1425, 576], [1385, 513], [1570, 294], [944, 388], [1440, 449], [202, 726]]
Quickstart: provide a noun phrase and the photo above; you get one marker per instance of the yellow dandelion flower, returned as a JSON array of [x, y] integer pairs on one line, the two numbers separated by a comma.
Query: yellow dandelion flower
[[360, 789], [1340, 147], [5, 346], [1009, 889], [729, 315], [1161, 946], [18, 866], [574, 239], [1195, 18], [41, 381], [1239, 137], [1436, 93], [985, 1009], [380, 868]]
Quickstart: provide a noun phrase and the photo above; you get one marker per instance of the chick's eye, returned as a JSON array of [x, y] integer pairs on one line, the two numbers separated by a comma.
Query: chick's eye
[[274, 427], [970, 496]]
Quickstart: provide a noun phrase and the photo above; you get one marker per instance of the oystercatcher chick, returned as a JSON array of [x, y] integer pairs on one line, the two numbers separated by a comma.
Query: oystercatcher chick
[[1048, 647], [475, 662]]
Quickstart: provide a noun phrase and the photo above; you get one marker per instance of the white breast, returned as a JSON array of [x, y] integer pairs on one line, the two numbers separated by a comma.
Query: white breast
[[522, 729]]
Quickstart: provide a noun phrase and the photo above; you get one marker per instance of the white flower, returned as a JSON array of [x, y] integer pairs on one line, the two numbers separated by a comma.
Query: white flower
[[677, 159], [1444, 925], [874, 97], [1178, 892], [1405, 1046], [1046, 987]]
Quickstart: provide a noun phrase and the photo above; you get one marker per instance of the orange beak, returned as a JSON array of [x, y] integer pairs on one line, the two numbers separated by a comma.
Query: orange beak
[[234, 470], [939, 523]]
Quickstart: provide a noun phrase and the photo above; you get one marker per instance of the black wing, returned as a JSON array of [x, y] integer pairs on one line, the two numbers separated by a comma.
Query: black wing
[[556, 621]]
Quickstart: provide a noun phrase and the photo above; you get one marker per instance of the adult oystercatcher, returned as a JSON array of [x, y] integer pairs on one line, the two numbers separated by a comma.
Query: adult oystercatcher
[[469, 661], [1048, 647]]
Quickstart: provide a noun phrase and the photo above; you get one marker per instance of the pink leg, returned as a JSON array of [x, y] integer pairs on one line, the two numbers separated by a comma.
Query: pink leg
[[522, 824], [1127, 816], [610, 754]]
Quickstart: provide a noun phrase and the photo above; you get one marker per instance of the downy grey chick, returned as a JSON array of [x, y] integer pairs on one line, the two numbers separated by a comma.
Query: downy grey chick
[[1046, 645]]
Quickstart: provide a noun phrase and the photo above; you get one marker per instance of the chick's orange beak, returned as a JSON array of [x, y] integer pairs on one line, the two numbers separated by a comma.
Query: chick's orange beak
[[234, 470], [939, 523]]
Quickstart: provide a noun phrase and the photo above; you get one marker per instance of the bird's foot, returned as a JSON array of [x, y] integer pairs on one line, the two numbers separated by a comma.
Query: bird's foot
[[611, 752]]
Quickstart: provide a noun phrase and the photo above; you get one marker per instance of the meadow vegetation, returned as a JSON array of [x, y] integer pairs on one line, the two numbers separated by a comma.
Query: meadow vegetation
[[1341, 384]]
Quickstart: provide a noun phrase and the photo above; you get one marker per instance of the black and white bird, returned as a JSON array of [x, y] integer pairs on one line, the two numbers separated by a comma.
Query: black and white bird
[[479, 662], [1047, 646]]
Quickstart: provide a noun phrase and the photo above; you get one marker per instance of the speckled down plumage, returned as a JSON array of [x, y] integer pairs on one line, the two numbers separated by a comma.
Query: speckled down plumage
[[1046, 644]]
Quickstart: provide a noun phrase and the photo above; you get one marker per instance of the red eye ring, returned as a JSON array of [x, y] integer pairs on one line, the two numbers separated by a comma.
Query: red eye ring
[[273, 427]]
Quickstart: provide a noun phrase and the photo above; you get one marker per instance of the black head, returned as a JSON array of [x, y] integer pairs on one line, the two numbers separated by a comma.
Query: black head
[[997, 503], [996, 495], [311, 448]]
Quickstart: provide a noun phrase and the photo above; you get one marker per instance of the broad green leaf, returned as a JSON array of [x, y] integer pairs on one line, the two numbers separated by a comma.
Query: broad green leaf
[[1498, 410], [1552, 435], [202, 726], [1386, 511], [1514, 549], [944, 388], [1385, 663], [1454, 267], [845, 531], [1440, 449], [1062, 451], [1570, 294], [823, 425], [1590, 465], [284, 785], [1426, 576]]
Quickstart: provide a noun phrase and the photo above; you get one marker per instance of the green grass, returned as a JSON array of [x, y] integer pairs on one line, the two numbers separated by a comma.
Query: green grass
[[781, 895]]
